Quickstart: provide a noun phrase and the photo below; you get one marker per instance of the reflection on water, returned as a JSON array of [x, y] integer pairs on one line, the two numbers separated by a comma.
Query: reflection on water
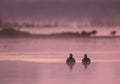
[[86, 65], [13, 72], [70, 65]]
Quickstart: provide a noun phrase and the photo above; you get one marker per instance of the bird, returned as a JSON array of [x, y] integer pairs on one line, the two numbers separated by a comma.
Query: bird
[[70, 61], [86, 61]]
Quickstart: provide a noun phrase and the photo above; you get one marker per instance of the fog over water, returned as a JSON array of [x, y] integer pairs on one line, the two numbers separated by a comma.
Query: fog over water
[[97, 12]]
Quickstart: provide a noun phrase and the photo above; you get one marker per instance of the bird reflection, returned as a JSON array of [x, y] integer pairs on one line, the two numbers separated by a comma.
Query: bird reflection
[[86, 61], [70, 61]]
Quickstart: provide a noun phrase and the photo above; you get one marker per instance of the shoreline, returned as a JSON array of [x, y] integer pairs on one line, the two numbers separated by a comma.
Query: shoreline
[[52, 36]]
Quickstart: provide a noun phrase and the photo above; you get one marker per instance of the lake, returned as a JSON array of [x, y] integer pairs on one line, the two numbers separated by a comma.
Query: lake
[[18, 72], [53, 49], [42, 61]]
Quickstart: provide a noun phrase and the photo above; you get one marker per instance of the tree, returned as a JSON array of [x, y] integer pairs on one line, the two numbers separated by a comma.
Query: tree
[[85, 34], [93, 32], [113, 33]]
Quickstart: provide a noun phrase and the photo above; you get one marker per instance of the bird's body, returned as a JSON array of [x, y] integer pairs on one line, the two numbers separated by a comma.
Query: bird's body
[[86, 61], [70, 61]]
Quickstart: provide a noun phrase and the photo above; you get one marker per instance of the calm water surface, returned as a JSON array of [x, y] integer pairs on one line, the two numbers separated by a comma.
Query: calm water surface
[[47, 61], [58, 73], [104, 49]]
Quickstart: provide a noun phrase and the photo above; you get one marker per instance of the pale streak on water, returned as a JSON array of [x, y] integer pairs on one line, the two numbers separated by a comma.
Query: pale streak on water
[[42, 61], [104, 49]]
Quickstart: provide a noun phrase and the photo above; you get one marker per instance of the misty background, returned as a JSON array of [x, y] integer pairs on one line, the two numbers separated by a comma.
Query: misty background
[[97, 12], [61, 13]]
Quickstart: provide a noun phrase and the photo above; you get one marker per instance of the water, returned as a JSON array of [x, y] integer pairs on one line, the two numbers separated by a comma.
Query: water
[[58, 73], [104, 49], [42, 61]]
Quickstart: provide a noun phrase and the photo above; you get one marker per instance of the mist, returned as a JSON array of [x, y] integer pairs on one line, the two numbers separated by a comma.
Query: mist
[[95, 11]]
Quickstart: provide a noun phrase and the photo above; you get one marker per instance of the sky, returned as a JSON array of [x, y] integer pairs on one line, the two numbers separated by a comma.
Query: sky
[[95, 11]]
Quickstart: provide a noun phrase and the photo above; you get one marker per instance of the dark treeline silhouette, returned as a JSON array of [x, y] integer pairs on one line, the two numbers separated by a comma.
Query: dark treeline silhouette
[[8, 30], [113, 33], [77, 34], [11, 32]]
